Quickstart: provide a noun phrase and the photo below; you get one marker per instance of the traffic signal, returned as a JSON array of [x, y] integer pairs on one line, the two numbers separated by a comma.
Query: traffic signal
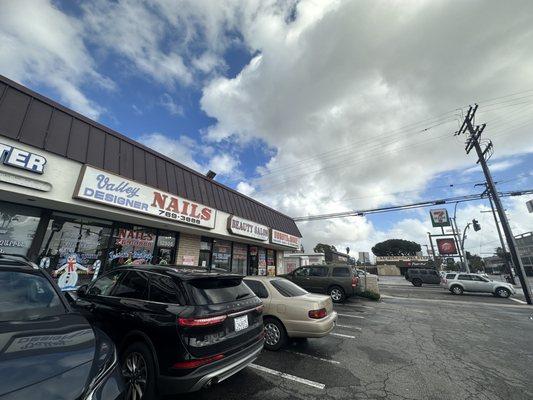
[[476, 225]]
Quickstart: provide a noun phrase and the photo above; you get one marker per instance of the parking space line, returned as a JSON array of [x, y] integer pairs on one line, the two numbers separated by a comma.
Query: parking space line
[[303, 381], [342, 335], [470, 303], [349, 327], [350, 316], [313, 357], [517, 300]]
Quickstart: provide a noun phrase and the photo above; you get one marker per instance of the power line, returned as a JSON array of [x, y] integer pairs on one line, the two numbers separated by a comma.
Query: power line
[[421, 204]]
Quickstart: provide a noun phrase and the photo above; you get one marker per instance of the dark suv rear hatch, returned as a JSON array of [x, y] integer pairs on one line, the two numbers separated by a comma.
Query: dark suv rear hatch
[[224, 316]]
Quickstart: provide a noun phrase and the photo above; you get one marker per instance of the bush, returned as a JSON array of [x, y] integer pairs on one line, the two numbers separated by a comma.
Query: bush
[[369, 295]]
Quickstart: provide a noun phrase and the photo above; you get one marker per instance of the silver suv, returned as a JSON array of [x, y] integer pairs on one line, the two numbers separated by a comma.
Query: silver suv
[[457, 283]]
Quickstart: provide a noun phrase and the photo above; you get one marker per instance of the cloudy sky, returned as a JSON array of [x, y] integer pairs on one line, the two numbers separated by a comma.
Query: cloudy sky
[[309, 106]]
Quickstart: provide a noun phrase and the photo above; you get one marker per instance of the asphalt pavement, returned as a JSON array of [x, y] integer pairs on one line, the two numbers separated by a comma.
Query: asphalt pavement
[[416, 343]]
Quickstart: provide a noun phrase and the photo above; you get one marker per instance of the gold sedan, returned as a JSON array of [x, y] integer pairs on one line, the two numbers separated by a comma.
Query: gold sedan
[[290, 311]]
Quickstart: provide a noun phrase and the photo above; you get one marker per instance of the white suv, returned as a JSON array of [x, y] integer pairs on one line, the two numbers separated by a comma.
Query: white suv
[[457, 283]]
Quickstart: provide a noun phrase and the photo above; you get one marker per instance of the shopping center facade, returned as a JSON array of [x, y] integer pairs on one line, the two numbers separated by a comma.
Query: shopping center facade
[[75, 194]]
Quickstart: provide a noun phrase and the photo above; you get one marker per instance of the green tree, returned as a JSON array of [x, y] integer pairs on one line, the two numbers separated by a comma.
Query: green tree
[[476, 262], [396, 247], [327, 249]]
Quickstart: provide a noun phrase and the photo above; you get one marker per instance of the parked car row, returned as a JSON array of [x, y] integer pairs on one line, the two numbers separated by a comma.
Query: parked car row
[[460, 282], [138, 332]]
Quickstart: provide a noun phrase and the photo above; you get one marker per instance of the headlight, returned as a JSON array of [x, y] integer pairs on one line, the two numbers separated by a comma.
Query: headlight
[[105, 361]]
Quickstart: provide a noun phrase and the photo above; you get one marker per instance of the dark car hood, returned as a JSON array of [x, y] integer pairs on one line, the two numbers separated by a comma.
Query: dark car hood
[[39, 352]]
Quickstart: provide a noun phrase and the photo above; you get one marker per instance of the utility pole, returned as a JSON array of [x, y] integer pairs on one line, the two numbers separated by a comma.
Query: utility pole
[[508, 265], [472, 142], [467, 266]]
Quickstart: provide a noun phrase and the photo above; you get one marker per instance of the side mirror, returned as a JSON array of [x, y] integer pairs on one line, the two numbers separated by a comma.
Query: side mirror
[[82, 291]]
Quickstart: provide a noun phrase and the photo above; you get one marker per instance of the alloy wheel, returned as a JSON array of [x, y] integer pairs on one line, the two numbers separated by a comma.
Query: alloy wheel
[[272, 334], [336, 294], [135, 375]]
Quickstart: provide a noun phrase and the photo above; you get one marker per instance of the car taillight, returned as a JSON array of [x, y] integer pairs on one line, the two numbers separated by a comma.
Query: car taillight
[[317, 314], [191, 322], [354, 281], [191, 364]]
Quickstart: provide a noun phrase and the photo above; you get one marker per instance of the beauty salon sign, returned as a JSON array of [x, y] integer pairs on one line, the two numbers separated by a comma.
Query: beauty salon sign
[[112, 190]]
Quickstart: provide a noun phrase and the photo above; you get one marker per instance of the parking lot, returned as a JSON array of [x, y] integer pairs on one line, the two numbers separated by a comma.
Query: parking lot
[[416, 343]]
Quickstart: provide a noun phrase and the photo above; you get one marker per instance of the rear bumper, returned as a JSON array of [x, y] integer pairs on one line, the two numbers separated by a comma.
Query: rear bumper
[[215, 372], [312, 328]]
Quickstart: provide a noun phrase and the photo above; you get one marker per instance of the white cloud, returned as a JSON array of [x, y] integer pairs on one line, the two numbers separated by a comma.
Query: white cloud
[[245, 188], [170, 105], [188, 151], [224, 164], [497, 166], [182, 149], [39, 44], [337, 91]]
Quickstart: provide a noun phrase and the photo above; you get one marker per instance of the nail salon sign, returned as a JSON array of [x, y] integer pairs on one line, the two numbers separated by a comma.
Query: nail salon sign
[[112, 190]]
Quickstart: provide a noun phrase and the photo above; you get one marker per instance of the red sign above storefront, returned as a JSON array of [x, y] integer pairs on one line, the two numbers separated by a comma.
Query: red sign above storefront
[[285, 239], [446, 246]]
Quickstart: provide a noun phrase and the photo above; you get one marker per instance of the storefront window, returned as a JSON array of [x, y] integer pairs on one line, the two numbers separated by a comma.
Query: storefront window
[[262, 261], [17, 227], [204, 260], [165, 252], [74, 247], [222, 254], [253, 260], [240, 253], [271, 262], [132, 245]]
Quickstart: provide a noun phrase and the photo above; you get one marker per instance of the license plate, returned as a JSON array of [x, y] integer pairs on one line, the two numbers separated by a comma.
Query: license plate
[[241, 323]]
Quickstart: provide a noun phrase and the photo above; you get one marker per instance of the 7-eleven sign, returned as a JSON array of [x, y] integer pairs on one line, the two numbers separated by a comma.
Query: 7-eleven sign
[[439, 217]]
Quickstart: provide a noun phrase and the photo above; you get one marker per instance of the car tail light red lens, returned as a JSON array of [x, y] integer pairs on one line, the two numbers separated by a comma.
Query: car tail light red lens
[[191, 322], [191, 364], [317, 314], [354, 281]]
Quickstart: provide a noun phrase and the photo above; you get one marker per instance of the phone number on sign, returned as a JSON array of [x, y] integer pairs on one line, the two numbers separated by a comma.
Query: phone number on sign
[[179, 217]]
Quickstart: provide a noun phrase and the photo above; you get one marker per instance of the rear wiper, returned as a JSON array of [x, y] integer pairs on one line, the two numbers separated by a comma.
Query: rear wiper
[[242, 295]]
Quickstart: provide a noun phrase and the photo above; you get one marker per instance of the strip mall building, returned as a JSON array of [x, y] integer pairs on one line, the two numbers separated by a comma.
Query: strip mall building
[[75, 193]]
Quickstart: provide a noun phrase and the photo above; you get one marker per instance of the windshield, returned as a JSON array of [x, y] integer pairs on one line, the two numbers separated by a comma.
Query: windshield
[[287, 288], [25, 296], [215, 291]]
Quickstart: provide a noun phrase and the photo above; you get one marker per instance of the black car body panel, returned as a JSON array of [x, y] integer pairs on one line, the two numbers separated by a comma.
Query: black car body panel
[[198, 295], [423, 275], [51, 356]]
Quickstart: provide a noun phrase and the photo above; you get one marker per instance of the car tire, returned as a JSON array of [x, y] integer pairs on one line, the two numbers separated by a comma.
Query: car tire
[[503, 292], [456, 289], [138, 371], [275, 334], [417, 282], [337, 294]]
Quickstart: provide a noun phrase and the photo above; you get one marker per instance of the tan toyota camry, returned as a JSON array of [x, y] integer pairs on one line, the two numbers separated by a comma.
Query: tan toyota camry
[[290, 311]]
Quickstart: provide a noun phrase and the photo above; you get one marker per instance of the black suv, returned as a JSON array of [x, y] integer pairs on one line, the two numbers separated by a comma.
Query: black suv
[[418, 276], [177, 329], [47, 349]]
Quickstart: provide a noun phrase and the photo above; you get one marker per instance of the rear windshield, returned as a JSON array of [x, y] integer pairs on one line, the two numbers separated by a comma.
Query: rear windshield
[[25, 296], [216, 290], [286, 288], [450, 276]]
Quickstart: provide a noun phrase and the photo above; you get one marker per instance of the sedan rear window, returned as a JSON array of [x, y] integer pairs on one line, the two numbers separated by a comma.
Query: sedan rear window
[[216, 291], [287, 288], [25, 296]]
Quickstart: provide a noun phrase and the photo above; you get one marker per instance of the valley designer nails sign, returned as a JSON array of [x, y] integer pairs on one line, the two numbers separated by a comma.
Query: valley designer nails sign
[[114, 191]]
